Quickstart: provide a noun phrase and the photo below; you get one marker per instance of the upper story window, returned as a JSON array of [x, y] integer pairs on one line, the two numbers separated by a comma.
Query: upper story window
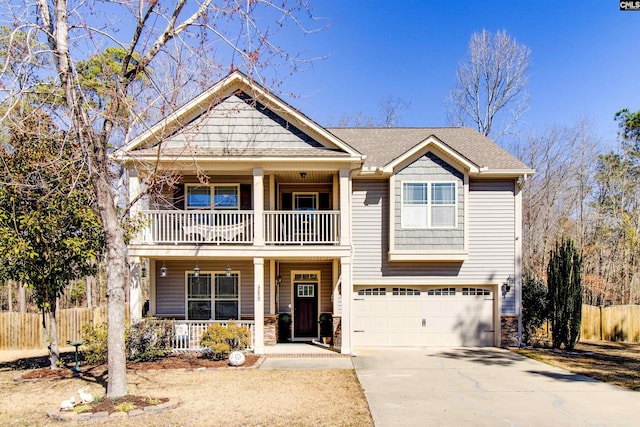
[[429, 205], [214, 196]]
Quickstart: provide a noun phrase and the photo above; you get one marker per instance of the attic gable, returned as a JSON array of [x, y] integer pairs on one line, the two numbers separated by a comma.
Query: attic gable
[[240, 123], [238, 117]]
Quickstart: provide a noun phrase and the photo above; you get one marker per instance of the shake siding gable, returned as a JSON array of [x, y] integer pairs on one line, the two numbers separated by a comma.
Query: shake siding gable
[[240, 123], [432, 169], [491, 225]]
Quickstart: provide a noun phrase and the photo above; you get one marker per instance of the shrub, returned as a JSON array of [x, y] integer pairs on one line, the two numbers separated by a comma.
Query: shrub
[[95, 348], [149, 340], [534, 308], [221, 340], [564, 280]]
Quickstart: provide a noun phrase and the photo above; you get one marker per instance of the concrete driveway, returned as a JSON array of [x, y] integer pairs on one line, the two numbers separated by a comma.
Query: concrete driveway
[[485, 387]]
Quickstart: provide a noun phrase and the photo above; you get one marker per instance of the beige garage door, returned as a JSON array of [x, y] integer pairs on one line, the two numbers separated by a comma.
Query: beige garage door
[[423, 316]]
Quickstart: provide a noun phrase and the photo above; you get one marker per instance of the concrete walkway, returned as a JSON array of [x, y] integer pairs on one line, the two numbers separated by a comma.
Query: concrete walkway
[[303, 356], [485, 387]]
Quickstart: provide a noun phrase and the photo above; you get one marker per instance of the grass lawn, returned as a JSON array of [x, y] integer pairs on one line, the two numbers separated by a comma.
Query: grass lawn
[[222, 397], [612, 362]]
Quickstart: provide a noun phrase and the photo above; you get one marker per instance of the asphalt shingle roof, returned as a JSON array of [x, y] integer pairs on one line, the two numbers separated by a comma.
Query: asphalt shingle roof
[[383, 145]]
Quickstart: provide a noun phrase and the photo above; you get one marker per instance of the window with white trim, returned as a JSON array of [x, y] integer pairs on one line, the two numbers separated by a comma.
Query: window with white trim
[[214, 196], [373, 291], [442, 291], [475, 291], [213, 296], [429, 205], [406, 291]]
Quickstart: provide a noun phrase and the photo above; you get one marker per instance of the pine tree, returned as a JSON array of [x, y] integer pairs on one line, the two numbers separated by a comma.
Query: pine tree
[[564, 282]]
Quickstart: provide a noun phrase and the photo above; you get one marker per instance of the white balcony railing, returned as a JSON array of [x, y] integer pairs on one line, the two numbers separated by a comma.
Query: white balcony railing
[[237, 227], [297, 227], [171, 226]]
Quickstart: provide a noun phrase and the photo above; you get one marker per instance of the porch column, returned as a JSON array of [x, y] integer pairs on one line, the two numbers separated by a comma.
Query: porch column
[[135, 289], [345, 207], [258, 207], [258, 305], [347, 298], [134, 190]]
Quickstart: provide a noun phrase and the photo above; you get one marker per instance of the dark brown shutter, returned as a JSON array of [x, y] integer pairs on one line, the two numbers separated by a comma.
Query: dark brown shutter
[[287, 202], [245, 197]]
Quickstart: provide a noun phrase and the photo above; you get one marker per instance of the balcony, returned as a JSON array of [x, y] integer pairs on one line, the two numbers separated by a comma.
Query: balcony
[[237, 227]]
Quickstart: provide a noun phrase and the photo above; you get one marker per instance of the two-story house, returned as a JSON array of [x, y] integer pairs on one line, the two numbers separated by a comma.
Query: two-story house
[[408, 236]]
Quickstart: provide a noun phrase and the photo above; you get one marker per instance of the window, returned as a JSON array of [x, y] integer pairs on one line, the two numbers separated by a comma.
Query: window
[[373, 291], [198, 196], [442, 291], [199, 297], [226, 297], [225, 196], [224, 301], [429, 205], [475, 291], [406, 291]]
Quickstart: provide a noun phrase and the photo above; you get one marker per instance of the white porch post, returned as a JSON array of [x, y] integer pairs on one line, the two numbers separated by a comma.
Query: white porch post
[[135, 289], [135, 281], [258, 305], [258, 207], [345, 208], [347, 298]]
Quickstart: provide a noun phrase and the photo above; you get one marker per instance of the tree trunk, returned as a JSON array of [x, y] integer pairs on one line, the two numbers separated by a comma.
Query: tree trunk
[[54, 351], [115, 254], [89, 288], [9, 291], [22, 298]]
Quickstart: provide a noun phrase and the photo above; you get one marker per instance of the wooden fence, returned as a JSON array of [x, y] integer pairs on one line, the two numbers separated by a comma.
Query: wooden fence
[[23, 331], [613, 323]]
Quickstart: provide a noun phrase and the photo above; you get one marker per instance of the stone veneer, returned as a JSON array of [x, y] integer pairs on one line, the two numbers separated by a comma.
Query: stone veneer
[[509, 331], [270, 329]]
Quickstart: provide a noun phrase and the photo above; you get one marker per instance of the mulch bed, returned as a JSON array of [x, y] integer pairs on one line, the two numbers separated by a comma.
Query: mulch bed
[[174, 361]]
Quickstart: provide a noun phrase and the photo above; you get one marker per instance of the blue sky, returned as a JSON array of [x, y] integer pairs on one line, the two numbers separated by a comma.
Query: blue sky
[[585, 59]]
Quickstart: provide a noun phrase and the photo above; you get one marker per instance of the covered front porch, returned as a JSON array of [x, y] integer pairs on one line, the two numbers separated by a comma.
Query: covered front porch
[[280, 301]]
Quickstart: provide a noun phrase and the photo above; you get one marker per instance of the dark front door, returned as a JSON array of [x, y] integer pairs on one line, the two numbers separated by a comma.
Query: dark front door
[[305, 320]]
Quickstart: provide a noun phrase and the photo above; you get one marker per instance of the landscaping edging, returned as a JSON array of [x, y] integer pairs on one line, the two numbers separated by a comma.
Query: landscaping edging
[[59, 415]]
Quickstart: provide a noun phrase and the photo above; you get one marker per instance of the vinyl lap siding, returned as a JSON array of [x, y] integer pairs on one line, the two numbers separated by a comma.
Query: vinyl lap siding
[[491, 257], [170, 290]]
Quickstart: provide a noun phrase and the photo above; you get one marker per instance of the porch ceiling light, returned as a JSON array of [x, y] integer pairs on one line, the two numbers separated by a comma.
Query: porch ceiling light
[[163, 270], [228, 271], [303, 175], [196, 271]]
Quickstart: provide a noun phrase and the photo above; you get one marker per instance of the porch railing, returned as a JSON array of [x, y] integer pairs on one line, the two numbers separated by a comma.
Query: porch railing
[[188, 333], [173, 226], [302, 227], [237, 227]]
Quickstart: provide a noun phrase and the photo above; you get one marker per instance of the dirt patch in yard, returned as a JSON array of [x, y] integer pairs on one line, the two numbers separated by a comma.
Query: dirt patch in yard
[[612, 362]]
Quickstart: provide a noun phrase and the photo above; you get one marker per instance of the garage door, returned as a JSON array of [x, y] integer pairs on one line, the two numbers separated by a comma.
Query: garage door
[[408, 317]]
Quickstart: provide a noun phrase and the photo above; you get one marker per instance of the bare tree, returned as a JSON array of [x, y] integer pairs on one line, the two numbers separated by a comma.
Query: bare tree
[[391, 108], [556, 201], [213, 32], [490, 91]]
